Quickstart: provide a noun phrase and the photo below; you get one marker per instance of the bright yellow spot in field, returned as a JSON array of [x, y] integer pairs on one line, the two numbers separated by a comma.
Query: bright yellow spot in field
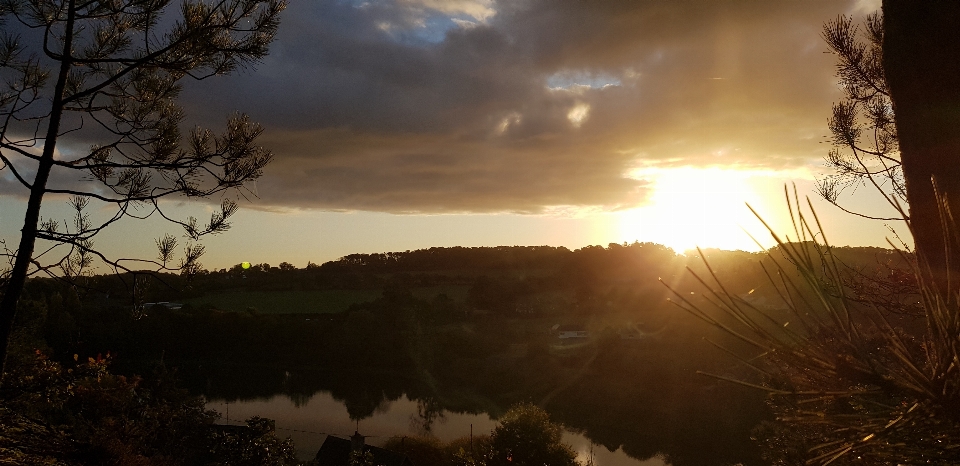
[[703, 207], [245, 265]]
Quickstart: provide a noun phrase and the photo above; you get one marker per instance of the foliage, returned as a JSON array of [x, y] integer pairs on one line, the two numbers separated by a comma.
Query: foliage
[[256, 445], [422, 450], [361, 458], [642, 395], [114, 67], [101, 417], [856, 379], [287, 302], [84, 414], [469, 451], [105, 75], [864, 368], [431, 451], [864, 135], [526, 436]]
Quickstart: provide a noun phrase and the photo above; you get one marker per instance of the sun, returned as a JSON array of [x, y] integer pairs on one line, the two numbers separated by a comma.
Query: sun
[[703, 207]]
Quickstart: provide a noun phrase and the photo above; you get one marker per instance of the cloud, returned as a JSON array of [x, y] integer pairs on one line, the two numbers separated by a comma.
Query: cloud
[[396, 106], [480, 10], [407, 173]]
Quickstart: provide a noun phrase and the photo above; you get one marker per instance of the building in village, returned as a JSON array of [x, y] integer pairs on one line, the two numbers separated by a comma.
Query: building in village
[[336, 451]]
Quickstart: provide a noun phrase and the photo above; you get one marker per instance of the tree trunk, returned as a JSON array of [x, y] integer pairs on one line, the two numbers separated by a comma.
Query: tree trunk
[[28, 234], [921, 59]]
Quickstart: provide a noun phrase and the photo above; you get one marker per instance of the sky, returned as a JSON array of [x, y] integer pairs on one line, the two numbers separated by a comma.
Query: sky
[[407, 124]]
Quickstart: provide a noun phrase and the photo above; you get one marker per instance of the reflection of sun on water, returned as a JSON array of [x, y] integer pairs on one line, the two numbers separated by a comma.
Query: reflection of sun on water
[[703, 207]]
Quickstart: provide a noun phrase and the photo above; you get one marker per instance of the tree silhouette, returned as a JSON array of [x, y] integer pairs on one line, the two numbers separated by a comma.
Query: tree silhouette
[[105, 74], [863, 133], [854, 378], [527, 437], [896, 128], [920, 48]]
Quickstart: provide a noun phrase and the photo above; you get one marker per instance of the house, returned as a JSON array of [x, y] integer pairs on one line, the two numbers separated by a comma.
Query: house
[[335, 451], [571, 331]]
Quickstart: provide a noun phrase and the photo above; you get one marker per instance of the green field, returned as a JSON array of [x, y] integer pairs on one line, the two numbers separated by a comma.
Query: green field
[[286, 302]]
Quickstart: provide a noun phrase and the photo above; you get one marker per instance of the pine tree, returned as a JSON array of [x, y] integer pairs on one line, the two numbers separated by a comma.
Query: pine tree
[[105, 75]]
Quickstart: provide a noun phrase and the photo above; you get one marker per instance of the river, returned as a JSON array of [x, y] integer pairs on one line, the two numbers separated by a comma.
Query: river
[[308, 422]]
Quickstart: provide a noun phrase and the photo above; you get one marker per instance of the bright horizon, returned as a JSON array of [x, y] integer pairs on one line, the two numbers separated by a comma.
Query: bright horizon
[[689, 207]]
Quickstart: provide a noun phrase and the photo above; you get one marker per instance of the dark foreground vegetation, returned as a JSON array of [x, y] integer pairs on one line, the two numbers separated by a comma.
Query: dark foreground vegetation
[[460, 329], [80, 413]]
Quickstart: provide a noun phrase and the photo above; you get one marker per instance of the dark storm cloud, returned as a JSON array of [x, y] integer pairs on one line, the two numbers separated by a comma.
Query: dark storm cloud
[[447, 106]]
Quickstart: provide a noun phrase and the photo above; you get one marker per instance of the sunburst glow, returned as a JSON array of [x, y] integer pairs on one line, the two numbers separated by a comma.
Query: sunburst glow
[[705, 207]]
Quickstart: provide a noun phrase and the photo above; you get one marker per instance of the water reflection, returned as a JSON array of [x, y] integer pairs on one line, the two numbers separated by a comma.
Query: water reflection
[[309, 420], [429, 412]]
